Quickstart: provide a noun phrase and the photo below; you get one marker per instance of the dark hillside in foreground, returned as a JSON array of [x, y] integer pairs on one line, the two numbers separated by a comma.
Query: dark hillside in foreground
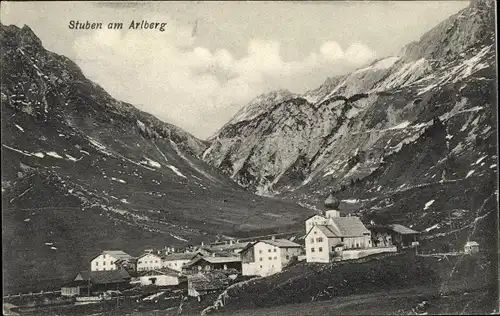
[[437, 277]]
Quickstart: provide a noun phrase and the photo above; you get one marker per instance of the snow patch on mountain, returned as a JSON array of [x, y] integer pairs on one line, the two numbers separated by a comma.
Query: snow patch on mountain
[[177, 172], [54, 154], [151, 162], [19, 128], [118, 180]]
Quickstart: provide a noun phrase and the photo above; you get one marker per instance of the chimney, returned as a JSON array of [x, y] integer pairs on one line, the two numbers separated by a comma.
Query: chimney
[[273, 238], [202, 244], [231, 242], [213, 254]]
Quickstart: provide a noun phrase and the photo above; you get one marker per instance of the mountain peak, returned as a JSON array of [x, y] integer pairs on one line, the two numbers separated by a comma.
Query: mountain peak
[[25, 37], [276, 95], [472, 26], [261, 103]]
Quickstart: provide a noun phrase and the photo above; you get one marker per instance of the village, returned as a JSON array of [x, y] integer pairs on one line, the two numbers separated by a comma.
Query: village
[[198, 270]]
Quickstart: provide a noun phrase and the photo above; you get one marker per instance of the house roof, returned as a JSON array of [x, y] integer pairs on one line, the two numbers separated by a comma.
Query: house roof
[[181, 256], [315, 215], [472, 243], [162, 271], [234, 246], [403, 230], [118, 254], [281, 243], [348, 226], [103, 277], [328, 231], [149, 254], [217, 259]]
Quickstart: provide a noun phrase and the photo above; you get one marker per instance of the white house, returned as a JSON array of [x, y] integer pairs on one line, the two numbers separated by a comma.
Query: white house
[[149, 261], [266, 257], [108, 259], [176, 261], [159, 277]]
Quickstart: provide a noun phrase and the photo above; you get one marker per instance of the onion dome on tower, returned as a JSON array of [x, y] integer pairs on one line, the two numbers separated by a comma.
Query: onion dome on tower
[[332, 202]]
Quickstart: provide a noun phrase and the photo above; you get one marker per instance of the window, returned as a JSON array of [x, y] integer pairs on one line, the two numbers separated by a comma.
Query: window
[[312, 240], [274, 250], [287, 257], [104, 263], [319, 239], [333, 248], [97, 263], [275, 258], [312, 249], [270, 258], [261, 267], [260, 259], [268, 250], [342, 239], [260, 251], [320, 249]]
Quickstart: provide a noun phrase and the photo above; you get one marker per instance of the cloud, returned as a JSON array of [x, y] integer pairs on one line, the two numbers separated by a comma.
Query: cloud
[[169, 76], [359, 54], [331, 50]]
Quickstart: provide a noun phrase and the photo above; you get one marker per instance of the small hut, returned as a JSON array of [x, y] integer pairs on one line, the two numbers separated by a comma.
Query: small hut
[[403, 236], [471, 247]]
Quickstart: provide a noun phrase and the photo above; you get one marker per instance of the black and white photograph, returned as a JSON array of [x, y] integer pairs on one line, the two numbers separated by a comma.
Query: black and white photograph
[[249, 158]]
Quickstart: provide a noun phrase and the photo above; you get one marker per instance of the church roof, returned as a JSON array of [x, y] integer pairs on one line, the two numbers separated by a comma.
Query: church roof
[[350, 226]]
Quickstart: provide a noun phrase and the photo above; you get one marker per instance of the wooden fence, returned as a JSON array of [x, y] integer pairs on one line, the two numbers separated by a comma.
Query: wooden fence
[[31, 294]]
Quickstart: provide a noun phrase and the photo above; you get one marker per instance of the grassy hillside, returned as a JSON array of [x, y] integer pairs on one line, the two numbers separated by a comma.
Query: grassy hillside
[[377, 274]]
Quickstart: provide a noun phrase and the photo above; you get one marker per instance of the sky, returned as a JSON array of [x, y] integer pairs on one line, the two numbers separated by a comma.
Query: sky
[[214, 57]]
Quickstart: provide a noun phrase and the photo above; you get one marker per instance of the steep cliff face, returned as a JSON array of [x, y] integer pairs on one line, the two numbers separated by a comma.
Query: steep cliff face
[[82, 172], [301, 139], [409, 138]]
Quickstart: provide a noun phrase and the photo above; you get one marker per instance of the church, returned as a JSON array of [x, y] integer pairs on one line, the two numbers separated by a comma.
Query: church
[[328, 234]]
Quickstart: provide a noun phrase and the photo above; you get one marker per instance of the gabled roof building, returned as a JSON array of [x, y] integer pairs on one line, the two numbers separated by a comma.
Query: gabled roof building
[[266, 257], [110, 260]]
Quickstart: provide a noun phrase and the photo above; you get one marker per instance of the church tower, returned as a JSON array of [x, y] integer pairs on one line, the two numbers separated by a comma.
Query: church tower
[[332, 207]]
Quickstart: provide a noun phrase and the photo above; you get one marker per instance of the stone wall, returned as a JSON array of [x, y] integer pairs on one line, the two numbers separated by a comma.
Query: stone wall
[[360, 253]]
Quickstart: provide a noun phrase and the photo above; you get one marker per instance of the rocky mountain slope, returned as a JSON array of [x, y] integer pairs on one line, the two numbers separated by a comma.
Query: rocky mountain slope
[[409, 138], [83, 172]]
